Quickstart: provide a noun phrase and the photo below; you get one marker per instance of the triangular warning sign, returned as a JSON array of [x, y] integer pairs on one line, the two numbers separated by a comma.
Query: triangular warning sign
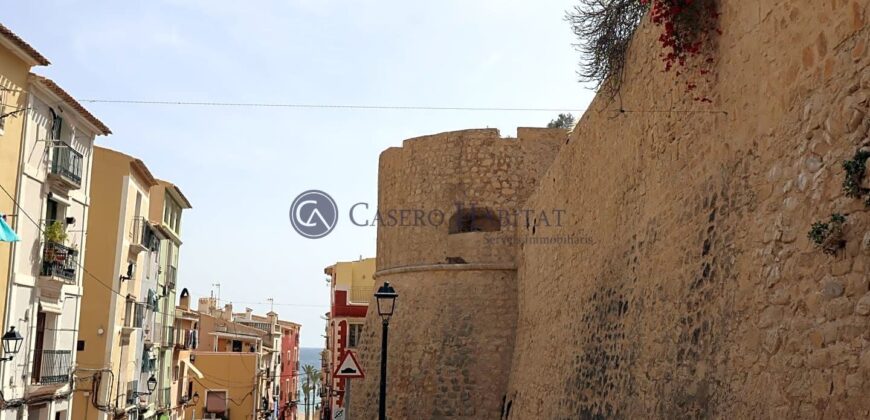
[[348, 367]]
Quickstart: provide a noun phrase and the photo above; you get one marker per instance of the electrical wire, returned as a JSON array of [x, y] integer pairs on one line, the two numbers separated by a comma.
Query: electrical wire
[[84, 270], [77, 263], [112, 289], [322, 106], [380, 107]]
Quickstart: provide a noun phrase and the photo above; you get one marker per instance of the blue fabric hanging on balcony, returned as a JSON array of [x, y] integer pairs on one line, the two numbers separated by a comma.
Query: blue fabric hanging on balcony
[[6, 232]]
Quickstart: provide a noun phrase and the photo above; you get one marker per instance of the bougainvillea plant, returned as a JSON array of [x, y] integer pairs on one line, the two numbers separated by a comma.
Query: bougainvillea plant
[[605, 28], [688, 27]]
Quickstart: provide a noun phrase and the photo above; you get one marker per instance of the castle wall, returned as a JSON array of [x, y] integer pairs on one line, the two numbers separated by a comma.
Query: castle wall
[[451, 337], [701, 295], [698, 293]]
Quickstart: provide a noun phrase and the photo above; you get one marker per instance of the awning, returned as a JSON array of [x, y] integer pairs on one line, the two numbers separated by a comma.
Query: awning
[[195, 370], [6, 232], [47, 304], [215, 401], [148, 414]]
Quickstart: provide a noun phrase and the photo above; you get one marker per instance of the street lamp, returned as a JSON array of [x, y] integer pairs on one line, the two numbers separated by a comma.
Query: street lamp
[[152, 384], [11, 344], [386, 297]]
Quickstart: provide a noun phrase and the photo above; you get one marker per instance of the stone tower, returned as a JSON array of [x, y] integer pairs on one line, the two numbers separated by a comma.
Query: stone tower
[[449, 208]]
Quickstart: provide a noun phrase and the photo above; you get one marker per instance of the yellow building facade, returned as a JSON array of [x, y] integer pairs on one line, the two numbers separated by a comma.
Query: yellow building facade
[[122, 259], [229, 384], [351, 289], [167, 204], [17, 57]]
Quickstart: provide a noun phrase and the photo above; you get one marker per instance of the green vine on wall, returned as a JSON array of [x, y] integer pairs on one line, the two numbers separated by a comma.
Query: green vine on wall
[[828, 235], [855, 175]]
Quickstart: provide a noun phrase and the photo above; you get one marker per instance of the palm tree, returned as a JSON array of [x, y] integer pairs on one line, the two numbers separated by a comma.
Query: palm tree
[[309, 388]]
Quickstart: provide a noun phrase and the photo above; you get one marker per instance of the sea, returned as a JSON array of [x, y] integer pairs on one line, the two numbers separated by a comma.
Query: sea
[[308, 356]]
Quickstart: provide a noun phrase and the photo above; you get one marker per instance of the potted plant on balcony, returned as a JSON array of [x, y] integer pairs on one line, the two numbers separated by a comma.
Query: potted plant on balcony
[[54, 233]]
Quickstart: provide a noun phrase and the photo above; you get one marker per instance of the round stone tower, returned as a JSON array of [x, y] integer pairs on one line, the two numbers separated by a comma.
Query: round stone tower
[[449, 208]]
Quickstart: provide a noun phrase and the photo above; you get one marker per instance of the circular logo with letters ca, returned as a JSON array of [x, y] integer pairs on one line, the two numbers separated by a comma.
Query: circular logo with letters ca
[[313, 214]]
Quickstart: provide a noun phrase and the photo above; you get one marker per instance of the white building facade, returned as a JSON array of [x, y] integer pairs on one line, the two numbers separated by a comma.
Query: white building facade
[[44, 299]]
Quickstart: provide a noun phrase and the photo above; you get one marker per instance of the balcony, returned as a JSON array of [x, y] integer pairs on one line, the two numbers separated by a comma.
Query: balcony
[[361, 294], [54, 367], [134, 316], [141, 236], [132, 392], [66, 166], [59, 263], [187, 339]]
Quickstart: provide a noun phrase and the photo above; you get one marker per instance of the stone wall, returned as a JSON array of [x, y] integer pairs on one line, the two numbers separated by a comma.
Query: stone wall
[[700, 294], [452, 334]]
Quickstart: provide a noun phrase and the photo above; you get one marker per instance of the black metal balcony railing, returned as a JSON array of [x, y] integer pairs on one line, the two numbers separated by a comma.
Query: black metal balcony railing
[[67, 163], [59, 261], [55, 366]]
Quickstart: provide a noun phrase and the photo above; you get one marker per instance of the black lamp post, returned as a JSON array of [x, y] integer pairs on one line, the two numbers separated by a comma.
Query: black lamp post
[[386, 296], [11, 344]]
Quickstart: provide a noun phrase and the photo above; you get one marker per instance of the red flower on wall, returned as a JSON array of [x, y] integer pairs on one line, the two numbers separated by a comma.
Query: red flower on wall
[[688, 27]]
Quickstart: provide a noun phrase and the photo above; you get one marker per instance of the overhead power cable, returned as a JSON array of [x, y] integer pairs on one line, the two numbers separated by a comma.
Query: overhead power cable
[[325, 106], [388, 107]]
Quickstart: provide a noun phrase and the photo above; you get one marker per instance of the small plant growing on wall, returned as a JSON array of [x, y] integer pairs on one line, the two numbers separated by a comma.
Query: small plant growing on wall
[[828, 236], [855, 175], [55, 233]]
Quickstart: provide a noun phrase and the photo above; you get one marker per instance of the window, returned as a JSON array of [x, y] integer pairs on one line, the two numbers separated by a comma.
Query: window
[[53, 211], [56, 125], [474, 220], [237, 346], [353, 334], [172, 214], [138, 208], [215, 401]]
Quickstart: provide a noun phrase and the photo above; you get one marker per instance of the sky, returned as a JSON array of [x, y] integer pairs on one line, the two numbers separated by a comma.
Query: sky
[[241, 167]]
